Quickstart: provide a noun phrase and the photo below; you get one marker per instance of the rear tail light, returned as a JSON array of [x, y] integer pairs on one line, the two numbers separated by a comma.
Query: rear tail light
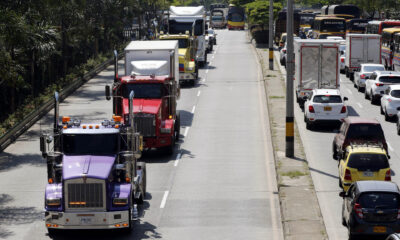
[[343, 109], [358, 210], [379, 84], [389, 99], [347, 175], [362, 76], [342, 60], [388, 176], [311, 109]]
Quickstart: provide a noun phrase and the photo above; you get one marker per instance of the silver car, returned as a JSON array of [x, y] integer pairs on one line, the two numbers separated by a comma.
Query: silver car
[[366, 69]]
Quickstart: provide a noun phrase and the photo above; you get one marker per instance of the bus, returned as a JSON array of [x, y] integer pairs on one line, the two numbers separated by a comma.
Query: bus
[[280, 24], [388, 46], [356, 25], [396, 54], [235, 18], [344, 10], [376, 27], [329, 26], [217, 5], [306, 19]]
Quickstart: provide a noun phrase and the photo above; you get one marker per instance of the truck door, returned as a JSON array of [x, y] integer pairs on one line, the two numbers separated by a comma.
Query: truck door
[[329, 60], [372, 49], [309, 58], [356, 52]]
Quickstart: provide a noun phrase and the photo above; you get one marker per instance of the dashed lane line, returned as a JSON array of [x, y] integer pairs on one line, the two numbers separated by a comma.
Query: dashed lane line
[[349, 91], [359, 105], [164, 199], [193, 109], [390, 147], [198, 93], [177, 159], [186, 131]]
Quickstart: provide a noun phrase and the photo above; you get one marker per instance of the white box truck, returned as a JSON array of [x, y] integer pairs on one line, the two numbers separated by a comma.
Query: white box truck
[[192, 19], [361, 48], [316, 66]]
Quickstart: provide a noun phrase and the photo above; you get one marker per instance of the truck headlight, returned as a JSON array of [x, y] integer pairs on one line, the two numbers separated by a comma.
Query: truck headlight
[[165, 130], [120, 201], [53, 202]]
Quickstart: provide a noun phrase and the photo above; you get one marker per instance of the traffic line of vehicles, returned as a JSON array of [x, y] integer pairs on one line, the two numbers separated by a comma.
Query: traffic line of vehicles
[[371, 202], [96, 179]]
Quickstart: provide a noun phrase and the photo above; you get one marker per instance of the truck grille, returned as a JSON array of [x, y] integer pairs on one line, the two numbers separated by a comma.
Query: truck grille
[[89, 194], [146, 124]]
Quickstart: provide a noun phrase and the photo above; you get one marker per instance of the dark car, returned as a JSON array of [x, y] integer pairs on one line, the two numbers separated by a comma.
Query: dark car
[[371, 208], [357, 130]]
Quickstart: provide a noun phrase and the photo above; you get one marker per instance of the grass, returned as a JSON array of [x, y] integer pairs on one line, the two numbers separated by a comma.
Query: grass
[[293, 174], [276, 97]]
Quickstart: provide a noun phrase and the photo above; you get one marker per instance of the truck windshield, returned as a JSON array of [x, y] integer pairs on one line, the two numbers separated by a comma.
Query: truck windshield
[[333, 25], [181, 27], [90, 144], [217, 18], [143, 90]]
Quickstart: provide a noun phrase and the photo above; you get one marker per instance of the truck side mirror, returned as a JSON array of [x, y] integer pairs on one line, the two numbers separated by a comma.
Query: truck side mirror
[[345, 99], [342, 194], [108, 92]]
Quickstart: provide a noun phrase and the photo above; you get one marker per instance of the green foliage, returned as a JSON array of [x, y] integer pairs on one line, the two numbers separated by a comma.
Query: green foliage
[[258, 11]]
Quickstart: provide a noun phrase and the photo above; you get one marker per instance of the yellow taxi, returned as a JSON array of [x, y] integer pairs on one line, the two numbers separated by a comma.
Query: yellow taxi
[[363, 162]]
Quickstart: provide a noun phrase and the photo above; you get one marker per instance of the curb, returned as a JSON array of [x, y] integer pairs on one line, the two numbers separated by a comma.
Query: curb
[[299, 220]]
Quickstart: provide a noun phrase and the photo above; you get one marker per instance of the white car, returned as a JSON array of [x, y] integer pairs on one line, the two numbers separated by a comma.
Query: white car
[[365, 71], [390, 101], [282, 56], [378, 82], [324, 106], [212, 36]]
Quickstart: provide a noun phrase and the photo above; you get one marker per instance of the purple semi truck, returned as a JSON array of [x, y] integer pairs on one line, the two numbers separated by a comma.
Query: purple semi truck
[[94, 178]]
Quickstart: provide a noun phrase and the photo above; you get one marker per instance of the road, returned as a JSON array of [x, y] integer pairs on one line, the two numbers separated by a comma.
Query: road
[[220, 184], [324, 169]]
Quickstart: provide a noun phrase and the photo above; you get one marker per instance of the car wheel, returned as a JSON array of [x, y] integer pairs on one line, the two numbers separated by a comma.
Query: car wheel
[[334, 151], [382, 110], [343, 219], [351, 235], [340, 183], [346, 72], [398, 128], [309, 125], [366, 95], [387, 118], [355, 85], [351, 76], [371, 97]]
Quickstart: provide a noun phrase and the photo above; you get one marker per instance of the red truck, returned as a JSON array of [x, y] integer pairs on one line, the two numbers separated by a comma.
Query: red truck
[[152, 73]]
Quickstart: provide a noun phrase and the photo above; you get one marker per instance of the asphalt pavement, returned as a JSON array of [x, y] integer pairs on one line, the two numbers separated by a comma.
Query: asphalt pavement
[[220, 184], [324, 169]]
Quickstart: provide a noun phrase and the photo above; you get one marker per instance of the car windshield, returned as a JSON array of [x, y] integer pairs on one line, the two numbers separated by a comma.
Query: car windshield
[[373, 68], [368, 161], [327, 99], [389, 79], [383, 200], [90, 144], [217, 18], [365, 131], [395, 93], [143, 90], [210, 31]]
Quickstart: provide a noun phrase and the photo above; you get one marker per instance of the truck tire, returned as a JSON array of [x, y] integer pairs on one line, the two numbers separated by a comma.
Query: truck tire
[[351, 76], [142, 165], [52, 232], [169, 150], [346, 72], [177, 127]]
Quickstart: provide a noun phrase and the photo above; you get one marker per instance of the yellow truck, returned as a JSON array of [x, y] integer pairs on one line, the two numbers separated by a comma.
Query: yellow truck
[[188, 67]]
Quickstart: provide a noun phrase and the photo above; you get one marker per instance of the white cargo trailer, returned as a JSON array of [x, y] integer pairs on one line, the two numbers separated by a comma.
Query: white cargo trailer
[[193, 20], [316, 66], [158, 58], [361, 48]]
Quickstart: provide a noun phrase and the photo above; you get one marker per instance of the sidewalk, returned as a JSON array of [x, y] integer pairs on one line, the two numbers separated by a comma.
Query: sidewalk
[[301, 215]]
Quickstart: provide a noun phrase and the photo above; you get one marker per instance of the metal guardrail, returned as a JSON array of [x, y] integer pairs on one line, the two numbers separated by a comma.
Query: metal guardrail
[[11, 135]]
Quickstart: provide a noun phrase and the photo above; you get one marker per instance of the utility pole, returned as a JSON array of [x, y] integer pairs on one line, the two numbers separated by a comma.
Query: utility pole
[[289, 82], [271, 33]]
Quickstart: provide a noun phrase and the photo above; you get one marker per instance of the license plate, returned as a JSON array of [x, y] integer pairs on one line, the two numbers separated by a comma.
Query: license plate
[[86, 220], [368, 174], [328, 108], [379, 229]]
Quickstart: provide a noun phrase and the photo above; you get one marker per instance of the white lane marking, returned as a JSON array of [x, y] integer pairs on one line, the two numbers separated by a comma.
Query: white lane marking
[[193, 109], [177, 159], [349, 91], [164, 199], [207, 71], [359, 105], [198, 93], [186, 131], [390, 147]]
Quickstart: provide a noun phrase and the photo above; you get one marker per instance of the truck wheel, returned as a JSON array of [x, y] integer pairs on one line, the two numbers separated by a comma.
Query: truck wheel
[[52, 232], [351, 76], [169, 150], [347, 72], [177, 127]]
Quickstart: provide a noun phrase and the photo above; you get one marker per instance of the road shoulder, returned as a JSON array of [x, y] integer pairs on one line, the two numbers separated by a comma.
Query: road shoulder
[[301, 214]]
